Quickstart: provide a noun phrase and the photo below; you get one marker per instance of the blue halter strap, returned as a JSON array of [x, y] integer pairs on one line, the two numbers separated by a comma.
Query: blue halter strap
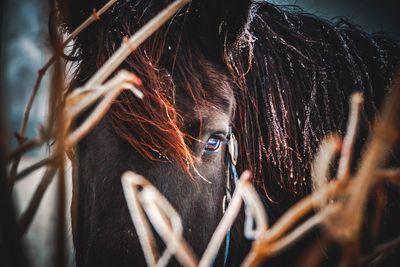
[[232, 178]]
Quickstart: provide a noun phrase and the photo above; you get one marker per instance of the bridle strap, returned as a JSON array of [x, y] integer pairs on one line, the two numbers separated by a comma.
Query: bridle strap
[[232, 176], [231, 180]]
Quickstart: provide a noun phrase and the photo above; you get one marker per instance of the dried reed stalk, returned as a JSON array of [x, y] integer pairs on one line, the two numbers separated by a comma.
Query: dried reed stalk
[[133, 43], [163, 217], [346, 225], [42, 71], [244, 192], [148, 199], [385, 135], [356, 103], [75, 104]]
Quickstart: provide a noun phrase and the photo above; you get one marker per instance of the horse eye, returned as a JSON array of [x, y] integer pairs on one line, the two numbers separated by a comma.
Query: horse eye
[[213, 144]]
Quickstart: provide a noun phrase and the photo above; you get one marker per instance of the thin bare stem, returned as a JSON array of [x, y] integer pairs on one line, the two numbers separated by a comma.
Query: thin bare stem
[[34, 167], [389, 175], [219, 234], [25, 147], [244, 190], [80, 100], [61, 217], [303, 229], [94, 17], [380, 250], [102, 75], [44, 69], [356, 103], [386, 133], [162, 216], [254, 210], [29, 213], [111, 65], [35, 89], [301, 209], [112, 89], [263, 249], [322, 163], [133, 43], [130, 184]]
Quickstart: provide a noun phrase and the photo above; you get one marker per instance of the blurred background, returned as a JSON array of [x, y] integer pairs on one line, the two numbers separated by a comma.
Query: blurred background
[[24, 49]]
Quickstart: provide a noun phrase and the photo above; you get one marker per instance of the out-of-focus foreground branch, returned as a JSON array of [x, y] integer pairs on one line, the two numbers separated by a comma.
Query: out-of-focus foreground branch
[[64, 110]]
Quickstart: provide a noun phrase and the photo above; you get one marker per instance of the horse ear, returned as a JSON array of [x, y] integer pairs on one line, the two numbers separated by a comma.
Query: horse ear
[[216, 24], [212, 24]]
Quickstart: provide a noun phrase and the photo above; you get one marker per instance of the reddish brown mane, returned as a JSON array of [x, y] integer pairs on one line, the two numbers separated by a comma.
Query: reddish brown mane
[[178, 84]]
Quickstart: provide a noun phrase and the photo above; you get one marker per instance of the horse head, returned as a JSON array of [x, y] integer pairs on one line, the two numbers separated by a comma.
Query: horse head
[[176, 136], [278, 79]]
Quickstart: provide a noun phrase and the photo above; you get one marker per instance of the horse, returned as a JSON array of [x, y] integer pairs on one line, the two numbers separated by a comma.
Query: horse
[[276, 77]]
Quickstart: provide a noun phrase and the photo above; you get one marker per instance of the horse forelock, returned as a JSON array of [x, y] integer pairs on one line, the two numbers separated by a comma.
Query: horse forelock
[[180, 85]]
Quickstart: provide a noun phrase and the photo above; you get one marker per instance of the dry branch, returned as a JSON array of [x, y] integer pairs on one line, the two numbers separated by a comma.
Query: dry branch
[[108, 68], [356, 103], [29, 213], [322, 165], [351, 195], [25, 120], [83, 98], [162, 216], [385, 134], [244, 190], [133, 43], [34, 167], [109, 91]]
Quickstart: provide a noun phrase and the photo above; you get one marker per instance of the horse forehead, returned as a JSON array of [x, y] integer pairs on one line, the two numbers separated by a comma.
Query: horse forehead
[[209, 120], [209, 112]]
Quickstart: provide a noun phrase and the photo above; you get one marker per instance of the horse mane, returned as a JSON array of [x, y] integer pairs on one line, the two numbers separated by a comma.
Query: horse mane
[[296, 73], [293, 74], [171, 58]]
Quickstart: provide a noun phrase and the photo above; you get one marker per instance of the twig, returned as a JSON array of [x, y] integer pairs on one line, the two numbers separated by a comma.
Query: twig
[[12, 250], [120, 55], [94, 17], [356, 103], [57, 123], [322, 163], [29, 213], [111, 90], [244, 190], [389, 175], [130, 184], [386, 133], [133, 43], [34, 167], [157, 208], [24, 147], [302, 208], [254, 210], [44, 69], [381, 249], [263, 249], [35, 89], [163, 216], [61, 217], [223, 227]]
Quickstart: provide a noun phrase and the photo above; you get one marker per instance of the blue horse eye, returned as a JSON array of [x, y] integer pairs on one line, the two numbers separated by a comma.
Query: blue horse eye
[[213, 144]]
